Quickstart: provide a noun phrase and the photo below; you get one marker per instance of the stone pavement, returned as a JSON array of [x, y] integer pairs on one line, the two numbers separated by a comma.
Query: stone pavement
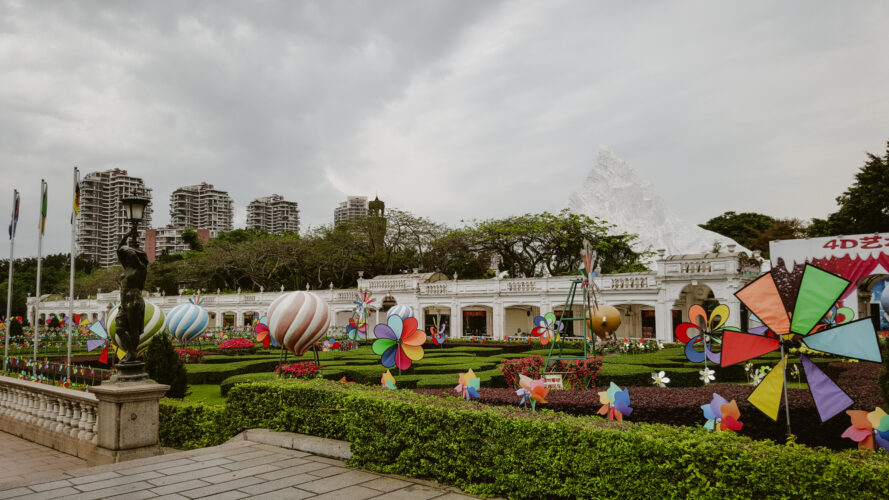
[[237, 469], [20, 458]]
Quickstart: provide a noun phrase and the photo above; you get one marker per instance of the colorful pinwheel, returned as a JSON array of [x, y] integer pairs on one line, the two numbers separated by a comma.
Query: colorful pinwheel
[[399, 342], [330, 344], [469, 385], [261, 329], [531, 391], [437, 331], [357, 327], [722, 415], [792, 311], [616, 403], [835, 316], [660, 379], [868, 427], [704, 328], [387, 381], [547, 328]]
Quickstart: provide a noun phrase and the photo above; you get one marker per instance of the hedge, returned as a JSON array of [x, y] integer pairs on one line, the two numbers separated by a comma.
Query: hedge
[[510, 452]]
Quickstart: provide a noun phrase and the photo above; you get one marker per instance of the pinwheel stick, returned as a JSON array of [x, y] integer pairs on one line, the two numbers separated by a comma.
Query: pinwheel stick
[[786, 401]]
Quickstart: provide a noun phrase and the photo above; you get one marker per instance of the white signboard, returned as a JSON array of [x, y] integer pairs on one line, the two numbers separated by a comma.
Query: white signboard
[[552, 381]]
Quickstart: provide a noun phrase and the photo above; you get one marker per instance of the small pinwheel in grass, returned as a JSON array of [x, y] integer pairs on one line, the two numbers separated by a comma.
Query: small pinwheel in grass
[[616, 403], [399, 342], [660, 379], [868, 427], [469, 385], [722, 415], [357, 328], [531, 391], [706, 330], [261, 329], [387, 381], [547, 328], [437, 331]]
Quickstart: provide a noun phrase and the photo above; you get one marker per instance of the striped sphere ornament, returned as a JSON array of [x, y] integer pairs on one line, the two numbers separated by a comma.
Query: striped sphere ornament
[[404, 312], [297, 320], [186, 322], [154, 323]]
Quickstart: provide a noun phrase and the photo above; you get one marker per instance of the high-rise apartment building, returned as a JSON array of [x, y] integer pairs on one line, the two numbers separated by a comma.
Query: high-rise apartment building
[[273, 214], [201, 207], [353, 207], [101, 223]]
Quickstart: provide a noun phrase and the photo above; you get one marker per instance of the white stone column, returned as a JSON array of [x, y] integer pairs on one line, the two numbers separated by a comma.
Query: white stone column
[[497, 320]]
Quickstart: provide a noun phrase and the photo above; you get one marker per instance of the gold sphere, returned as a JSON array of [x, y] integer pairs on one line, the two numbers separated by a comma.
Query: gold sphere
[[603, 320]]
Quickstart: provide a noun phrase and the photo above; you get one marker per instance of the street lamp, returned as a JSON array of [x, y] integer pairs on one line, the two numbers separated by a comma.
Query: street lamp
[[134, 208], [130, 318]]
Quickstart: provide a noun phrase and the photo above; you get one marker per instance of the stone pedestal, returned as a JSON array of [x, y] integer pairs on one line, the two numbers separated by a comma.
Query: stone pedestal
[[128, 420]]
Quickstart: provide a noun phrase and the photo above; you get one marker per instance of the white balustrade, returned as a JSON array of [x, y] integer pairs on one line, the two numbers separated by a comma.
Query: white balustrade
[[56, 409]]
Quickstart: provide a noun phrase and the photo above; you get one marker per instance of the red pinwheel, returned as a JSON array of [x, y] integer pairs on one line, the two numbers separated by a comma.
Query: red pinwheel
[[703, 327], [261, 329], [437, 331], [399, 342]]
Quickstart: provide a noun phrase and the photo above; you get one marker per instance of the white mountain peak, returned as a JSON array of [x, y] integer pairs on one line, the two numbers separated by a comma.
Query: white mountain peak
[[615, 193]]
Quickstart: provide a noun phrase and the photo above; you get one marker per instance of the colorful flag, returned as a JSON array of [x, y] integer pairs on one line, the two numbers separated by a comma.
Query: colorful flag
[[15, 214], [43, 204], [77, 199]]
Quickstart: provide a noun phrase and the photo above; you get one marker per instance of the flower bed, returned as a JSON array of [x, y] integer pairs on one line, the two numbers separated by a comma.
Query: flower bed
[[302, 369], [577, 374], [190, 355], [237, 346]]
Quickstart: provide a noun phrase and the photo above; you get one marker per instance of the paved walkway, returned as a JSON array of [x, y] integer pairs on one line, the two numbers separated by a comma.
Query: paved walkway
[[238, 469]]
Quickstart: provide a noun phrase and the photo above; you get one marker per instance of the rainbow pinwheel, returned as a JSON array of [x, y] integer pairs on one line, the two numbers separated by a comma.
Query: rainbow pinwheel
[[469, 385], [792, 310], [531, 391], [704, 329], [357, 327], [547, 328], [868, 427], [261, 329], [437, 331], [616, 403], [387, 381], [399, 342], [722, 415]]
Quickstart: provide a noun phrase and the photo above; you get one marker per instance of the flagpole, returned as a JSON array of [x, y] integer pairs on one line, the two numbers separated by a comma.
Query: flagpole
[[74, 213], [41, 227], [12, 224]]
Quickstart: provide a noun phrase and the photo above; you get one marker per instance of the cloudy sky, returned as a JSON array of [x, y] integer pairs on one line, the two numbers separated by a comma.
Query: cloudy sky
[[452, 110]]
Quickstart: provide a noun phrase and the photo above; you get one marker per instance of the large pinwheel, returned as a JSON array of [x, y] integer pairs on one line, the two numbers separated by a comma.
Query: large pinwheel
[[531, 391], [703, 328], [722, 415], [261, 329], [792, 312], [437, 331], [616, 403], [358, 322], [547, 328], [399, 342], [468, 385], [867, 428]]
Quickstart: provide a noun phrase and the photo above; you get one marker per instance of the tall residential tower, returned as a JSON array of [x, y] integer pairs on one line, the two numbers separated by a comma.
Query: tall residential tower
[[201, 207], [273, 214]]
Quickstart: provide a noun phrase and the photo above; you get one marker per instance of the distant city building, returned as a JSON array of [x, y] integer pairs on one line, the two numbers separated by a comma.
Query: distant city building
[[201, 207], [101, 223], [273, 214], [353, 207], [168, 240]]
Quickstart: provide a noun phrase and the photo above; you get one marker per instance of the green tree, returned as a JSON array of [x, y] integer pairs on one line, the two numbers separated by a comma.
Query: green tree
[[164, 366], [742, 227], [190, 237], [864, 206], [779, 229]]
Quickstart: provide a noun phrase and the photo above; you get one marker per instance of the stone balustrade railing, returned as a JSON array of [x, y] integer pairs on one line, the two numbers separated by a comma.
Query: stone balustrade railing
[[63, 419]]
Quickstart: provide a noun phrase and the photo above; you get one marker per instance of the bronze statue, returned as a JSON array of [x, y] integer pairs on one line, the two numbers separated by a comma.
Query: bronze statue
[[131, 318]]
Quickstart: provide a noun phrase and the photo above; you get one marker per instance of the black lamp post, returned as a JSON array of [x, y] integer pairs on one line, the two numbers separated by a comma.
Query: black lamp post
[[134, 209], [130, 318]]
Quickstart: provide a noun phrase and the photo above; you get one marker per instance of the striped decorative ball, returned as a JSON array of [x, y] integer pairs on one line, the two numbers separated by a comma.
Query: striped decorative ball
[[404, 312], [186, 322], [154, 323], [297, 320]]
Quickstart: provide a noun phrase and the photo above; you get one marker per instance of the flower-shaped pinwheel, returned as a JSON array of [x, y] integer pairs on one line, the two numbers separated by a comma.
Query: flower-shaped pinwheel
[[261, 329], [792, 310], [616, 403], [660, 379], [357, 328], [707, 376], [722, 415], [358, 322], [387, 381], [533, 391], [868, 427], [399, 342], [469, 385], [704, 329], [547, 327], [437, 331], [330, 344]]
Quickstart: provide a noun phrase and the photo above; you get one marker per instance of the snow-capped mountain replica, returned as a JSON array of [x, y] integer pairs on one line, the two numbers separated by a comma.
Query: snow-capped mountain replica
[[614, 193]]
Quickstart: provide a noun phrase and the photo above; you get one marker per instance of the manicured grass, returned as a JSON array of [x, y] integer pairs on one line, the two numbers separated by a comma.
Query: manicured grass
[[205, 393]]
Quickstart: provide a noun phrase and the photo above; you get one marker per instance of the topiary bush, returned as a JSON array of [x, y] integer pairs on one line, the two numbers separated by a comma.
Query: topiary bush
[[164, 366], [884, 377]]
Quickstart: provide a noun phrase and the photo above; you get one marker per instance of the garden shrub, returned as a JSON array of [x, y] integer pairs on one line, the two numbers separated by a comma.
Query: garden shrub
[[884, 377], [300, 369], [530, 366], [190, 355], [187, 425], [164, 366], [504, 451]]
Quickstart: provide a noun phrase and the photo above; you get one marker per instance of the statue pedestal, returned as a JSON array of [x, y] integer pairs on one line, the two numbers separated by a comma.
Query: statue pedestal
[[128, 419]]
